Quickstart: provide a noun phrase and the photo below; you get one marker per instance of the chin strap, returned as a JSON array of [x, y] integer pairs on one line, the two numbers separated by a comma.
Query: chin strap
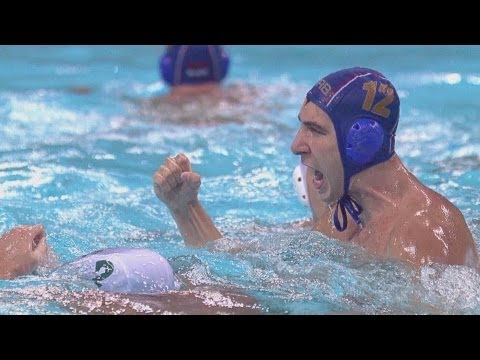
[[353, 208]]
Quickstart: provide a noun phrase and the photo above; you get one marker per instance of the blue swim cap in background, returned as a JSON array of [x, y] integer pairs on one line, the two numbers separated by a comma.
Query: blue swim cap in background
[[194, 64], [364, 108], [123, 270]]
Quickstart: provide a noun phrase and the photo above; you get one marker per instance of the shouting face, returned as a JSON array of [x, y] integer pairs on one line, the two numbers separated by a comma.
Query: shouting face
[[316, 143]]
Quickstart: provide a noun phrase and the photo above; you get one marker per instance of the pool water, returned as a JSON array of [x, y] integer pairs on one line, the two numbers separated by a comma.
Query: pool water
[[78, 157]]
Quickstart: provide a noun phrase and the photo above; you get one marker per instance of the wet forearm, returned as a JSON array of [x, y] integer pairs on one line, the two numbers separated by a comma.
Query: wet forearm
[[195, 225]]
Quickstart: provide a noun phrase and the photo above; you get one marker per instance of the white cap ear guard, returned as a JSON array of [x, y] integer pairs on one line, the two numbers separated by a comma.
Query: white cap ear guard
[[299, 182]]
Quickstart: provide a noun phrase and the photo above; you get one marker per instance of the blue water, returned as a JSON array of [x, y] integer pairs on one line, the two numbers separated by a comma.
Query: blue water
[[82, 165]]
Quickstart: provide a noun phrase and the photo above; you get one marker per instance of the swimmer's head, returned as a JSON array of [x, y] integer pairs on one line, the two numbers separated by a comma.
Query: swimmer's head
[[194, 64], [364, 108], [123, 270]]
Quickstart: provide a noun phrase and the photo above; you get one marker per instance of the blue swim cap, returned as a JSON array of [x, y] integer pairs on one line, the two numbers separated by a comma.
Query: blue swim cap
[[123, 270], [194, 64], [364, 108]]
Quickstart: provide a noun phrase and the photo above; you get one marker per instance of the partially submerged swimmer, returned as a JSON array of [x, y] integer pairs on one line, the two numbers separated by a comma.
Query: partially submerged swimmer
[[122, 270], [347, 139], [131, 281], [196, 94], [24, 248], [192, 70], [358, 188]]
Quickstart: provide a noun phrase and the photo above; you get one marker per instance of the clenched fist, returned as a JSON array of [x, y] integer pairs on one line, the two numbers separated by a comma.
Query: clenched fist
[[175, 183]]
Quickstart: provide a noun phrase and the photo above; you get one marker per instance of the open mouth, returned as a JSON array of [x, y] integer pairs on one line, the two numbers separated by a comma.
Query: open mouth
[[317, 179], [37, 240]]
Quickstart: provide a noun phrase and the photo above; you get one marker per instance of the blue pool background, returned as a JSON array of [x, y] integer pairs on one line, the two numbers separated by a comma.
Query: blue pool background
[[82, 165]]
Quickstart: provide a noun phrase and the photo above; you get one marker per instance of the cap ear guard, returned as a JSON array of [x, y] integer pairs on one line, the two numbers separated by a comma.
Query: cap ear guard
[[224, 63], [364, 139], [166, 65]]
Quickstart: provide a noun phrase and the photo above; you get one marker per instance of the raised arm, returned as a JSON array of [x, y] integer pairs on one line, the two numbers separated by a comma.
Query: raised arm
[[176, 185]]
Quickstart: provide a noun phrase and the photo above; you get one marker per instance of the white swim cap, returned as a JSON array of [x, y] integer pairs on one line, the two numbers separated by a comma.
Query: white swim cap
[[299, 182], [124, 270]]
